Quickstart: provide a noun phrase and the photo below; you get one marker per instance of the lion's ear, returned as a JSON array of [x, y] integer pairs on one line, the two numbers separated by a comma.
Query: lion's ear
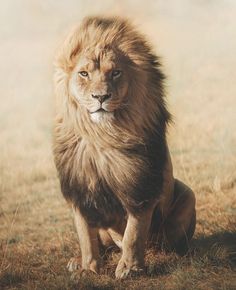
[[68, 51]]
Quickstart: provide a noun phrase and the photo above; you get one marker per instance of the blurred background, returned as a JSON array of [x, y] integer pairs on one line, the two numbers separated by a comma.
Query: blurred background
[[196, 40]]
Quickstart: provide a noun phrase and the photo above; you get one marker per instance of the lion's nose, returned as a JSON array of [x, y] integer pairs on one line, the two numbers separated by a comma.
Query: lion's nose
[[102, 98]]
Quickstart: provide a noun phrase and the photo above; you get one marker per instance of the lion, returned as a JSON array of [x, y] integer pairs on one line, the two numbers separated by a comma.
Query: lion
[[110, 146]]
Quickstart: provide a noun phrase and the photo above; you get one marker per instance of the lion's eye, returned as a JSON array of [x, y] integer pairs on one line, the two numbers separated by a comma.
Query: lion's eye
[[83, 73], [116, 74]]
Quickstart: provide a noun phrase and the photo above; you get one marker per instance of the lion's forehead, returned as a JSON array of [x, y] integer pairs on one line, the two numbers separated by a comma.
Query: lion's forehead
[[101, 58]]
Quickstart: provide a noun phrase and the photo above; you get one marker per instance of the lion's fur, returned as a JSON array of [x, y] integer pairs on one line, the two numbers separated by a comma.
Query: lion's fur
[[116, 169], [147, 81], [115, 155]]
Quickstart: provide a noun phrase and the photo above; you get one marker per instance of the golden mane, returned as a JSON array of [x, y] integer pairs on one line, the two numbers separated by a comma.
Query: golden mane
[[80, 143], [147, 82]]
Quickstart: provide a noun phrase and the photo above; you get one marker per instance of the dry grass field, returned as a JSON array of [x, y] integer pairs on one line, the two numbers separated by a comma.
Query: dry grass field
[[197, 43]]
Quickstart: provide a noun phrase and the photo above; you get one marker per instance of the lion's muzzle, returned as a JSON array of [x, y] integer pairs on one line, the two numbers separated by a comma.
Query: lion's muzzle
[[101, 98]]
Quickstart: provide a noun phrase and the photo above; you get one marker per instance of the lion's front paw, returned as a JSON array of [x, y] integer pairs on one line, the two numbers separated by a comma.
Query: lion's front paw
[[74, 264], [125, 269]]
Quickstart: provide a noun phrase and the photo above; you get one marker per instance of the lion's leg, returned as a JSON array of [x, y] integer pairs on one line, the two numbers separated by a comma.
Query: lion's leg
[[180, 223], [133, 243], [117, 235], [88, 241], [108, 240], [105, 238], [113, 235]]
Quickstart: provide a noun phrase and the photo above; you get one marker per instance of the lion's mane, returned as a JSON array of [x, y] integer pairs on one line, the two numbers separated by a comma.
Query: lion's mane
[[106, 168]]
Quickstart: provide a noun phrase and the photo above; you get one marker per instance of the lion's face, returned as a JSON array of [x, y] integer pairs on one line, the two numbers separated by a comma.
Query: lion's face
[[107, 73], [99, 82]]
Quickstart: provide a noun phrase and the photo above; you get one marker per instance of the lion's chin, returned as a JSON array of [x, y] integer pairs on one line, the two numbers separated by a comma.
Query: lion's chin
[[102, 116]]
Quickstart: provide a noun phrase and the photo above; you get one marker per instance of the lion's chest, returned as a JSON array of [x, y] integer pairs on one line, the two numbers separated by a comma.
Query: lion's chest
[[115, 169], [101, 179], [104, 182]]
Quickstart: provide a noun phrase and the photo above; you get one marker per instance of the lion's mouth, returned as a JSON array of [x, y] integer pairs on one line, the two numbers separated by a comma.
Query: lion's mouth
[[101, 114], [101, 110]]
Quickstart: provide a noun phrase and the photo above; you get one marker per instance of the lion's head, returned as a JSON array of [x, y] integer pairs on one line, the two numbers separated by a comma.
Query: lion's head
[[99, 81], [107, 71]]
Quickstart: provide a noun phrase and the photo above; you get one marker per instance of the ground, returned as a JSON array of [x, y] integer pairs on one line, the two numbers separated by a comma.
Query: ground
[[197, 43]]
